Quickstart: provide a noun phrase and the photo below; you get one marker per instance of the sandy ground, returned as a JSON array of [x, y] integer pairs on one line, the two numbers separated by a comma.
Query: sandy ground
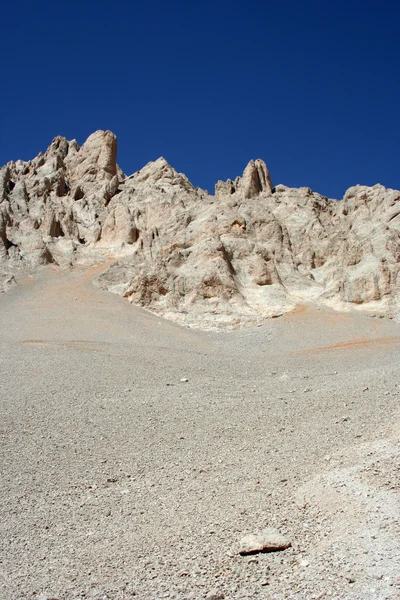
[[120, 481]]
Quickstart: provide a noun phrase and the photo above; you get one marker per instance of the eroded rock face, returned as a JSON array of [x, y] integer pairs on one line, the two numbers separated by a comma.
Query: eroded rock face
[[97, 159], [255, 180], [249, 252]]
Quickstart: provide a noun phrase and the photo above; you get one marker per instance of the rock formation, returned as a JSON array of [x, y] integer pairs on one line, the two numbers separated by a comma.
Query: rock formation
[[250, 251]]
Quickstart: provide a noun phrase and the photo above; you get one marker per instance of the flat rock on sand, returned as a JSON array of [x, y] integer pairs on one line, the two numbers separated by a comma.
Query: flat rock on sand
[[269, 540]]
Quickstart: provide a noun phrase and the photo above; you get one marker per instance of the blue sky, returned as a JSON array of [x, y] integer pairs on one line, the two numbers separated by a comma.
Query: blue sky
[[311, 87]]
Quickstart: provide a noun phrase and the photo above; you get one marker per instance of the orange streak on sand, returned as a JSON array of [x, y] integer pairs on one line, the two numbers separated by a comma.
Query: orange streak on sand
[[298, 310], [313, 312], [385, 341], [80, 345], [74, 344]]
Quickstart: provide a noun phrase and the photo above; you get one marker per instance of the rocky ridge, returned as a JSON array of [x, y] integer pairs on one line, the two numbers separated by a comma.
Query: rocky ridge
[[248, 252]]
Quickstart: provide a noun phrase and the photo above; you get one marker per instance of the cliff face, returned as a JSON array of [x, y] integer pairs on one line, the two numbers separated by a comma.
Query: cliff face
[[250, 251]]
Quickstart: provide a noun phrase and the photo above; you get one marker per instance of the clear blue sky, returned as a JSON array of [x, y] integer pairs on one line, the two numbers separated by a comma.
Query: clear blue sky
[[312, 87]]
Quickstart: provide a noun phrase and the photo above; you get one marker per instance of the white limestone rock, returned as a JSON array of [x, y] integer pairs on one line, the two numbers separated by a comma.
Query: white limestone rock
[[268, 540], [251, 251]]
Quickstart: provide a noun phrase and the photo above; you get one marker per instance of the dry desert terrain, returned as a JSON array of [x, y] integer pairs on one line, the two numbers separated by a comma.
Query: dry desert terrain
[[122, 480]]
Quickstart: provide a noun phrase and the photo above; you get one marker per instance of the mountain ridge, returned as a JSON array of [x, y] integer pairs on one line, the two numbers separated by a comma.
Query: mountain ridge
[[249, 252]]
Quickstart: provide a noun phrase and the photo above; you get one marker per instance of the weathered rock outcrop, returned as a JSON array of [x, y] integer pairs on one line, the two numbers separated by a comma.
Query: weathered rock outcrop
[[255, 179], [249, 252]]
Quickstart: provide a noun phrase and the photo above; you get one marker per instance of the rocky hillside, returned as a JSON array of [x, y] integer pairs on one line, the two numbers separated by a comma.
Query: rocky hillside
[[249, 252]]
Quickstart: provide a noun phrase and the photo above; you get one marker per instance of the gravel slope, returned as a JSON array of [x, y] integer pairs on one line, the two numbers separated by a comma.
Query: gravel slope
[[120, 481]]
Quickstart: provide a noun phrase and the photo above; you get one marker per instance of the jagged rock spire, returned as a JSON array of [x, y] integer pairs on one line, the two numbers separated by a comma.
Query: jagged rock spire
[[255, 180]]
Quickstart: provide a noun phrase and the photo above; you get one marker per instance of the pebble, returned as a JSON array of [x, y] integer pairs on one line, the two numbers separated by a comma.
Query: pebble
[[305, 563], [215, 595]]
